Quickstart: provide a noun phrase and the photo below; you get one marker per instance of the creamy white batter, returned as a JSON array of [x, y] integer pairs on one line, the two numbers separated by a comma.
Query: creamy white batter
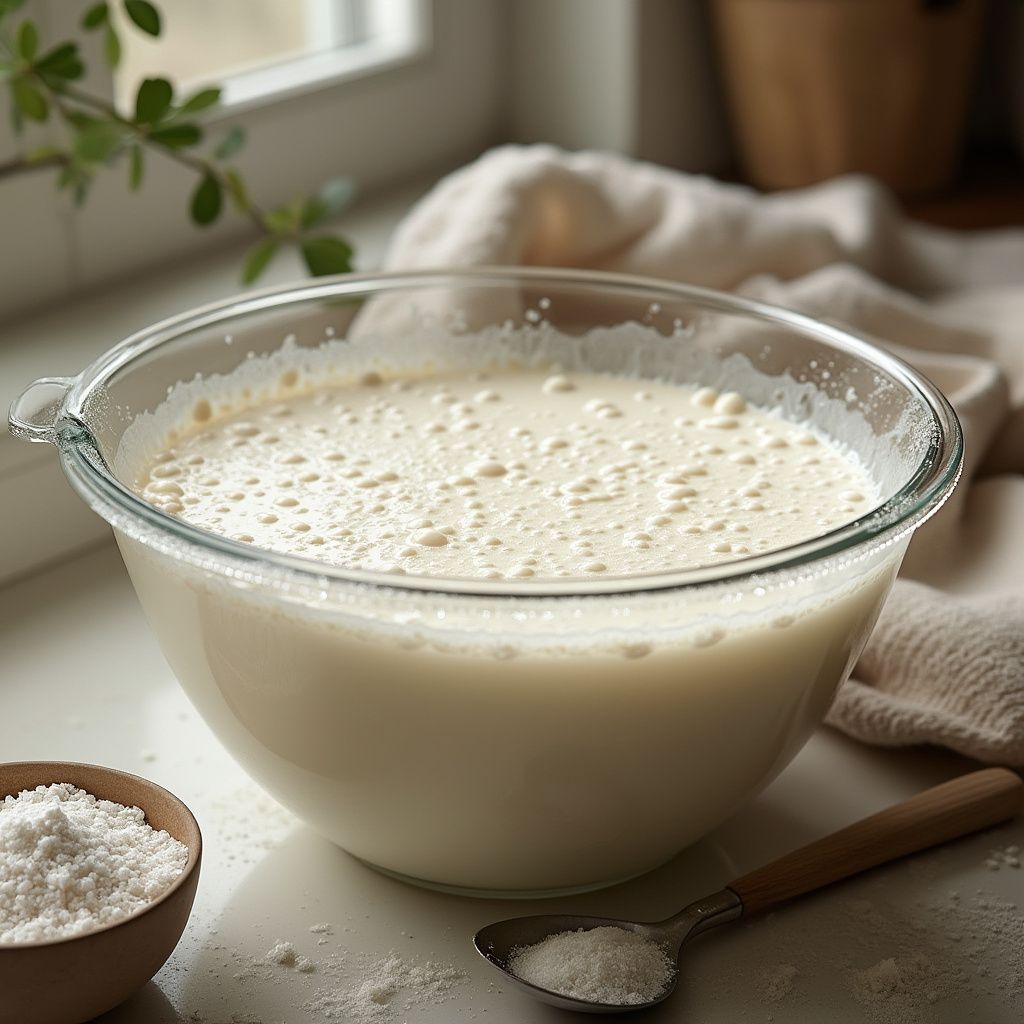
[[515, 474], [496, 743]]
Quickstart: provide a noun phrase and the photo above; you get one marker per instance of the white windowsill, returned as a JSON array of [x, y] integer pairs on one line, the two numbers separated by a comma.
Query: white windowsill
[[43, 520], [251, 91]]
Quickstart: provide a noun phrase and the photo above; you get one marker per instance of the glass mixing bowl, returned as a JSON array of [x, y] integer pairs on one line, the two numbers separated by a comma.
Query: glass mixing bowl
[[509, 737]]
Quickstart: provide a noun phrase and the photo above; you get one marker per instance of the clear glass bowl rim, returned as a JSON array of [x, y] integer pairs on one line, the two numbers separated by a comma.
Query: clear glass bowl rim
[[922, 495]]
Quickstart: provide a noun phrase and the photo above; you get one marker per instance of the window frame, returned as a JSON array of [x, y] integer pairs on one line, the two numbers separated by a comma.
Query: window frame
[[386, 34], [391, 42], [440, 100]]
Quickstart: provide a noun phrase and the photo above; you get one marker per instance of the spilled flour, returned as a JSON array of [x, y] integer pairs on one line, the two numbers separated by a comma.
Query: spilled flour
[[382, 987], [897, 946], [1004, 857], [777, 981], [913, 943], [334, 985], [283, 954], [887, 985]]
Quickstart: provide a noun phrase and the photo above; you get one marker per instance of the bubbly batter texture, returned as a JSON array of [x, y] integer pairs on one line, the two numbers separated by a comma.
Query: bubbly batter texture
[[515, 474]]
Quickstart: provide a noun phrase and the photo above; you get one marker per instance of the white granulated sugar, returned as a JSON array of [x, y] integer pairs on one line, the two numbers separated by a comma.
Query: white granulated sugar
[[384, 986], [600, 965], [70, 863]]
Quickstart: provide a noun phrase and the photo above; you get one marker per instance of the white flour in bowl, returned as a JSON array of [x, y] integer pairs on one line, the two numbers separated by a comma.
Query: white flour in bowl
[[70, 863]]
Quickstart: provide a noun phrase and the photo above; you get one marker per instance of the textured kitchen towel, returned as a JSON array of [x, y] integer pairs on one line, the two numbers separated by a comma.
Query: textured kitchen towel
[[945, 664]]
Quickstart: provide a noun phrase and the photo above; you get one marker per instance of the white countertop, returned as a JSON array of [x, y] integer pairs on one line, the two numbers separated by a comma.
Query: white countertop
[[81, 678]]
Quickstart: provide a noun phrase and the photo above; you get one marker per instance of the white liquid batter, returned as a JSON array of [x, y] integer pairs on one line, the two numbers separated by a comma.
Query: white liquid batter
[[493, 743], [513, 475]]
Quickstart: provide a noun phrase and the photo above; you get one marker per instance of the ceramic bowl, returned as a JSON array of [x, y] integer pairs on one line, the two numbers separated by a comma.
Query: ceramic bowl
[[74, 980]]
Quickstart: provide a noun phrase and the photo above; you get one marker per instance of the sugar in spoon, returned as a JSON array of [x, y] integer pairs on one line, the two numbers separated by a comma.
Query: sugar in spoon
[[953, 809]]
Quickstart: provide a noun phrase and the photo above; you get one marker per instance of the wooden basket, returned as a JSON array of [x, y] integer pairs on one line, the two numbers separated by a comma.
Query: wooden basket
[[824, 87]]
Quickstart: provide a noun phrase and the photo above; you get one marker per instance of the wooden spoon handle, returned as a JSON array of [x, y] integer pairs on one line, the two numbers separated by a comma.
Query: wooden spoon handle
[[945, 812]]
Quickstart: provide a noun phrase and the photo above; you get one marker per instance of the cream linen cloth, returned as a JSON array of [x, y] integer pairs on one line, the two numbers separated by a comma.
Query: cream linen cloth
[[945, 664]]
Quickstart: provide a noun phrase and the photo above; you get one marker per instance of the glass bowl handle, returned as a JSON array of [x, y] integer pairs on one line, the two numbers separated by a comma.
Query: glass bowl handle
[[36, 412]]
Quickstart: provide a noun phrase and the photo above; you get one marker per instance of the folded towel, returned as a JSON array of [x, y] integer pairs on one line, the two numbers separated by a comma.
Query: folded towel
[[945, 664]]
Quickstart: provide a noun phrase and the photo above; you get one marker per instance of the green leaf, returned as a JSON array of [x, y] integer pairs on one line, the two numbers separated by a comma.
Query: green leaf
[[40, 154], [285, 220], [95, 16], [78, 119], [337, 193], [237, 190], [313, 213], [67, 176], [111, 47], [327, 254], [62, 62], [200, 101], [135, 168], [28, 100], [177, 136], [144, 14], [231, 143], [10, 6], [257, 258], [28, 41], [207, 201], [77, 179], [98, 142], [333, 197], [153, 100]]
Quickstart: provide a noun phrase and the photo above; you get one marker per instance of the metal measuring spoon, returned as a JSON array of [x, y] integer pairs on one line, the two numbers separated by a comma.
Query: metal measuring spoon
[[945, 812]]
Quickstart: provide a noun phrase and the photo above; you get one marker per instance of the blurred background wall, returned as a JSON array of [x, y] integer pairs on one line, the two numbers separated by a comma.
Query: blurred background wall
[[641, 77]]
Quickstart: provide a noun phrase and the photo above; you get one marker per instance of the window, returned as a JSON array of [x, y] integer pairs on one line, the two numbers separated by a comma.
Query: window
[[265, 49], [378, 91]]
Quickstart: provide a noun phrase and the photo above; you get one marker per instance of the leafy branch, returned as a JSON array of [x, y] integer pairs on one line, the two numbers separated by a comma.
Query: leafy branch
[[41, 81]]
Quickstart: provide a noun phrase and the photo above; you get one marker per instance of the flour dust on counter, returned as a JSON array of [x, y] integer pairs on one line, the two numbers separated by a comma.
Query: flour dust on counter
[[890, 960], [1004, 857], [323, 976], [383, 989], [283, 954]]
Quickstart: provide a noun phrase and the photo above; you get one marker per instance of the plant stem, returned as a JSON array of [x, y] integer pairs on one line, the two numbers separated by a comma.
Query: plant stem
[[195, 163], [19, 165]]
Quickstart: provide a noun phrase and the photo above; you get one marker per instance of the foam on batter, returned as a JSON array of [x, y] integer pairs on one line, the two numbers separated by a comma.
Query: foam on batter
[[508, 474]]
